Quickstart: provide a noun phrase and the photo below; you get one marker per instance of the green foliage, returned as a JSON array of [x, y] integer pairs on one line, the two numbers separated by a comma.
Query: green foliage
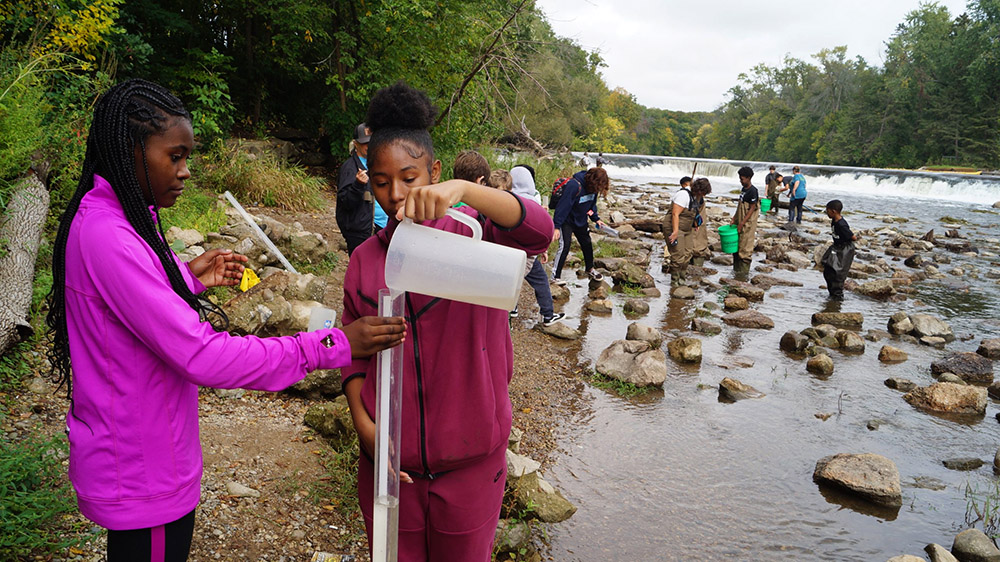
[[338, 489], [608, 249], [264, 179], [207, 93], [983, 506], [198, 209], [34, 495], [324, 267], [21, 112], [14, 367], [621, 388]]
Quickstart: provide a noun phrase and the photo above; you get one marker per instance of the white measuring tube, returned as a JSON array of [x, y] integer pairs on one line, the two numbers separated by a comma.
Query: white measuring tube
[[260, 233], [388, 407]]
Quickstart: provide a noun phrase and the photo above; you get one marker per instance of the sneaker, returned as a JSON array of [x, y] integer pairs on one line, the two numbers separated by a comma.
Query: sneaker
[[595, 275], [559, 281], [512, 313], [553, 319]]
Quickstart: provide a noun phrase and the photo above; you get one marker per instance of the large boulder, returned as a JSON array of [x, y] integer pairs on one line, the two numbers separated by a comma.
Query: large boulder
[[794, 342], [636, 307], [971, 367], [877, 289], [633, 362], [972, 545], [685, 349], [331, 419], [820, 365], [537, 497], [990, 348], [748, 319], [321, 382], [890, 354], [631, 274], [731, 390], [867, 475], [927, 325], [850, 342], [949, 398], [642, 332], [853, 320], [559, 330], [939, 553]]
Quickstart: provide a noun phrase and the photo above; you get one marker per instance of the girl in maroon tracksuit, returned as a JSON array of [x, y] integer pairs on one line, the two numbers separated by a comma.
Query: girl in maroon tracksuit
[[458, 358]]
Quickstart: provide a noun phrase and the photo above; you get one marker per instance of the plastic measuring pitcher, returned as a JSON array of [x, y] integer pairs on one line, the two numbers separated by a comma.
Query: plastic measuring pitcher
[[443, 264]]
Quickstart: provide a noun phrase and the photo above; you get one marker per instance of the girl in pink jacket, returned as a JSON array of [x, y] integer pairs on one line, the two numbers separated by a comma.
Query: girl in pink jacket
[[125, 312], [457, 359]]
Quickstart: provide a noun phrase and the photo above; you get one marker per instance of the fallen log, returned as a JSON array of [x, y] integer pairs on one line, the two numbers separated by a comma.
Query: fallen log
[[20, 236]]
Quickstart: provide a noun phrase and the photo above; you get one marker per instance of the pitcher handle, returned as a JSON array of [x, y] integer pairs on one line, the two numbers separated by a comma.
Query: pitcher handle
[[477, 230]]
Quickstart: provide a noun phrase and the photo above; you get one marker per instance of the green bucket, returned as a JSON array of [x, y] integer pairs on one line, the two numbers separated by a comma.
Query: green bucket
[[765, 205], [730, 238]]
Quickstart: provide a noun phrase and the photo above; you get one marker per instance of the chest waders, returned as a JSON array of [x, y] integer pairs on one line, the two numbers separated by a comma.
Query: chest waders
[[682, 252], [748, 238]]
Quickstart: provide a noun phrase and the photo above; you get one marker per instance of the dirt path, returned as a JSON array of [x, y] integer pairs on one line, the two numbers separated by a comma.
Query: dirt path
[[257, 440]]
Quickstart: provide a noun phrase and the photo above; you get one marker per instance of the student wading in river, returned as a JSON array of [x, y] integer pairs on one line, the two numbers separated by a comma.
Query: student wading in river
[[682, 223], [745, 219]]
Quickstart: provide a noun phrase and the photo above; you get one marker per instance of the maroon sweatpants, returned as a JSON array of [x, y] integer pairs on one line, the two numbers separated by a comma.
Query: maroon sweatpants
[[452, 517]]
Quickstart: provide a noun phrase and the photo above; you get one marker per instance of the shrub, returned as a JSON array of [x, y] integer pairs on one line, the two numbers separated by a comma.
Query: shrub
[[260, 179], [196, 208], [33, 496]]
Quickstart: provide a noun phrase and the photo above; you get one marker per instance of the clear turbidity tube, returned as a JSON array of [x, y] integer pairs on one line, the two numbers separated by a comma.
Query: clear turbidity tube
[[388, 407]]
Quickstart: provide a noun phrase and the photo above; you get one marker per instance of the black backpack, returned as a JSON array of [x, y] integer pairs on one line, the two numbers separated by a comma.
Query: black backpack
[[557, 192]]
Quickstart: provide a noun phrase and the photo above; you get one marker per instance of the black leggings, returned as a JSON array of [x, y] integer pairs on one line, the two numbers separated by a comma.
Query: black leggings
[[583, 237], [165, 543]]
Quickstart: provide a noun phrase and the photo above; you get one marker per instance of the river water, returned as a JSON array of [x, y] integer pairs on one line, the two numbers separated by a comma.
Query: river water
[[677, 475]]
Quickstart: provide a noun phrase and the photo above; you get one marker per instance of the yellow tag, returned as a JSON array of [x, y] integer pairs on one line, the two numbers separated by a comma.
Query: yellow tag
[[249, 279]]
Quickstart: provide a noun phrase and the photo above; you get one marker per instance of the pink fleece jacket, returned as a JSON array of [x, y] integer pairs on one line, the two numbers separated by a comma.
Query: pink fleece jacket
[[139, 353], [458, 358]]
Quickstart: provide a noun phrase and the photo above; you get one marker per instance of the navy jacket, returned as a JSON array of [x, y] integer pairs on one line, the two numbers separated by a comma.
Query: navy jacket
[[576, 204]]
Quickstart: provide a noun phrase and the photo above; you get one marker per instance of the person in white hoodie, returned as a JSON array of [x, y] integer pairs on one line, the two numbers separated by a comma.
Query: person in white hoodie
[[523, 179]]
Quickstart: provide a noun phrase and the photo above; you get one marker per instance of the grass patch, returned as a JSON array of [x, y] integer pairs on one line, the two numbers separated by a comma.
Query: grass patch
[[338, 491], [983, 506], [608, 249], [34, 496], [629, 289], [324, 267], [260, 180], [621, 388], [952, 220], [197, 209]]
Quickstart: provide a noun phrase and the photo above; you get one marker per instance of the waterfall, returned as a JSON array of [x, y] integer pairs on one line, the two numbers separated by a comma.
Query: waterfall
[[967, 188]]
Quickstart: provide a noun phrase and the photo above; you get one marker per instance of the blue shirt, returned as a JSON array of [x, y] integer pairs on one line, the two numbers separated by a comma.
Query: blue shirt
[[380, 217], [800, 192]]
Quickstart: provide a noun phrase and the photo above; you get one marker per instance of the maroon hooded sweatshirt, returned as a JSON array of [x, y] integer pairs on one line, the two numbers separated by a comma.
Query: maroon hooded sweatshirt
[[458, 358]]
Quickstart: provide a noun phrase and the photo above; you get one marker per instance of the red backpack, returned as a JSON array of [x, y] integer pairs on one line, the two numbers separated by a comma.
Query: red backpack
[[557, 191]]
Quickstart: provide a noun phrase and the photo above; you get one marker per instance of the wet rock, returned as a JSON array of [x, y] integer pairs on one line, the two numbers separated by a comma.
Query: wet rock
[[850, 342], [990, 348], [642, 332], [599, 292], [746, 291], [538, 497], [950, 377], [963, 463], [731, 390], [949, 398], [798, 259], [748, 319], [651, 292], [559, 293], [898, 383], [932, 341], [735, 303], [519, 466], [820, 365], [914, 261], [633, 362], [600, 306], [938, 553], [906, 558], [867, 475], [877, 289], [634, 275], [636, 306], [996, 461], [685, 349], [559, 330], [512, 535], [610, 264], [993, 390], [237, 490], [899, 323], [852, 320], [331, 419], [705, 326], [682, 292], [890, 354], [793, 342], [829, 341], [972, 545], [723, 259], [766, 282], [927, 325], [873, 425], [972, 367]]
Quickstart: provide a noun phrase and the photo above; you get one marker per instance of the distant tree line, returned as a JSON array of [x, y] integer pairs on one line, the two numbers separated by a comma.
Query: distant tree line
[[935, 101]]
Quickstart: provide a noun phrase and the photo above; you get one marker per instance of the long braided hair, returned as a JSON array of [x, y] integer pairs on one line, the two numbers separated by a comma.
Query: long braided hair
[[125, 117]]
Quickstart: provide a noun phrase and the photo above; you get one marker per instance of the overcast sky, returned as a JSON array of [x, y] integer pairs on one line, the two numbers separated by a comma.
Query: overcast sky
[[652, 46]]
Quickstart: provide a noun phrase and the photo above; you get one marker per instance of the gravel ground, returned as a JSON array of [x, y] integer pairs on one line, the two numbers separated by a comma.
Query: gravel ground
[[255, 444]]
